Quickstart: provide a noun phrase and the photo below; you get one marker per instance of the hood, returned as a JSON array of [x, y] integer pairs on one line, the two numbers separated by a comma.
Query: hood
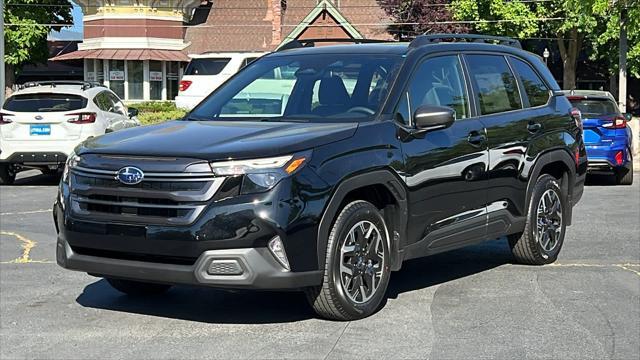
[[218, 140]]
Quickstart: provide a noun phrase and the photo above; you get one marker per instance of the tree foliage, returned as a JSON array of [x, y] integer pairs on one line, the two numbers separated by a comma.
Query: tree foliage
[[415, 17], [575, 24], [27, 42]]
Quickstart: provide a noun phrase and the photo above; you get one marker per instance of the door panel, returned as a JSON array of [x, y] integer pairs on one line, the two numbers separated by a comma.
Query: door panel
[[445, 170], [447, 181]]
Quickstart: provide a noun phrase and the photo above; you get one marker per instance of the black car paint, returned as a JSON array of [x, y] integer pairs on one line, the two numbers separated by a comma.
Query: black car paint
[[442, 183]]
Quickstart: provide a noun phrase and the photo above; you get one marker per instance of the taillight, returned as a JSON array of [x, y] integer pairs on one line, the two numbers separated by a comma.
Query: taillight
[[618, 123], [4, 119], [619, 157], [82, 118], [184, 85], [577, 117]]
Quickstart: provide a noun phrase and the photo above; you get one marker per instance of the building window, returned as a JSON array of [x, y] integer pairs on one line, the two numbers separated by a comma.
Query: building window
[[155, 79], [99, 71], [116, 77], [173, 74], [135, 79]]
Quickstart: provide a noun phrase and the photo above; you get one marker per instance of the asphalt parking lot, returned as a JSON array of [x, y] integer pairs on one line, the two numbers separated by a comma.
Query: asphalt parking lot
[[470, 303]]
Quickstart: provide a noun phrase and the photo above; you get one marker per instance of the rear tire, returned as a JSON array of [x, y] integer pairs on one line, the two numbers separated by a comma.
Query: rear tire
[[137, 288], [357, 271], [7, 174], [624, 176], [543, 235]]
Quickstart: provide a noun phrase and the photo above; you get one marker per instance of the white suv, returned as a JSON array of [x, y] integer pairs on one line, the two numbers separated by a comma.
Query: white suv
[[43, 122], [206, 72]]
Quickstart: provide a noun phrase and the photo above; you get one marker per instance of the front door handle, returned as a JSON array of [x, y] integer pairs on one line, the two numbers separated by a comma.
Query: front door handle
[[534, 127], [476, 138]]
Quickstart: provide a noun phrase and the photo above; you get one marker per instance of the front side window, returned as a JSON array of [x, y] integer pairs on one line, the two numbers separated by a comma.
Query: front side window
[[437, 81], [494, 83], [534, 87], [313, 88], [45, 102]]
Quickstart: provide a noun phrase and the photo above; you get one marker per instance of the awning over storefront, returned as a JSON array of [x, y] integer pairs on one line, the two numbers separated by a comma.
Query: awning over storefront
[[124, 54]]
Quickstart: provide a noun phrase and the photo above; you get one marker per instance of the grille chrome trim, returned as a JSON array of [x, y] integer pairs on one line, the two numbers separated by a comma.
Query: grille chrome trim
[[167, 203], [148, 176]]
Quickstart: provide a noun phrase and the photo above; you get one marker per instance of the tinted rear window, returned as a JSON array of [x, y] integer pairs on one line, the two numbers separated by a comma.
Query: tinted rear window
[[595, 106], [45, 102], [206, 66]]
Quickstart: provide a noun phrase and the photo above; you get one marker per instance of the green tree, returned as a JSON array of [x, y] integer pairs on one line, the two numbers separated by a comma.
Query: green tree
[[568, 21], [605, 39], [27, 24]]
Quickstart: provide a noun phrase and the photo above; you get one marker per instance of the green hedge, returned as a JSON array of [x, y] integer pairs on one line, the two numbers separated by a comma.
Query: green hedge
[[154, 112]]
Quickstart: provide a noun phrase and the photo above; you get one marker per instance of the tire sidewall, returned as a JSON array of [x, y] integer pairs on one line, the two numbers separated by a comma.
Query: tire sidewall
[[545, 183], [340, 231]]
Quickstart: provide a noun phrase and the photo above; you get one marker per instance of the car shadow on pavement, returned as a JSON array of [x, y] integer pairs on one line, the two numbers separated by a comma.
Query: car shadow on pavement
[[258, 307], [441, 268]]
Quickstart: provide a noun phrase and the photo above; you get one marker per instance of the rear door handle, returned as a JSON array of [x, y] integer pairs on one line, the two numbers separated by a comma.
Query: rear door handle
[[476, 138], [534, 127]]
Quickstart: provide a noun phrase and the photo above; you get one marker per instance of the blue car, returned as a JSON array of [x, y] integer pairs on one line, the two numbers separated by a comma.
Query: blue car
[[606, 134]]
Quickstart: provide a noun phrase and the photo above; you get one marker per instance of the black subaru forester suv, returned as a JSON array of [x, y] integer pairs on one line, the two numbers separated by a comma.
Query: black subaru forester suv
[[324, 168]]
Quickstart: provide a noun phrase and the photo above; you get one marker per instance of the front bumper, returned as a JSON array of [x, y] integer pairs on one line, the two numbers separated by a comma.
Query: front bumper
[[251, 268]]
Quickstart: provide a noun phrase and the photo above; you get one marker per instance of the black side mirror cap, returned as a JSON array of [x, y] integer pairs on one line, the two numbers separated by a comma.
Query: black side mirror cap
[[132, 112], [628, 116], [431, 117]]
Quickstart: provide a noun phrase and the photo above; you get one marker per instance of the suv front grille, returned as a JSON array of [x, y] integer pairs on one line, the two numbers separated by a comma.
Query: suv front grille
[[160, 199]]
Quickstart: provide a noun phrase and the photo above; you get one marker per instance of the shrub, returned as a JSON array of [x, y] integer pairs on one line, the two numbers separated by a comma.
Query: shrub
[[154, 112]]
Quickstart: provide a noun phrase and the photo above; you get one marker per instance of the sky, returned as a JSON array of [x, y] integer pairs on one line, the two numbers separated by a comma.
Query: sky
[[77, 18]]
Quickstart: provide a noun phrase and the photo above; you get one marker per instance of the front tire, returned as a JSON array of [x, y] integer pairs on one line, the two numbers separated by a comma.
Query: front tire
[[543, 235], [357, 267], [7, 174], [137, 288]]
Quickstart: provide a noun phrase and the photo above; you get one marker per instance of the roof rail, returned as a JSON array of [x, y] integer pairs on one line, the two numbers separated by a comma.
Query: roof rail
[[438, 38], [300, 43], [84, 84]]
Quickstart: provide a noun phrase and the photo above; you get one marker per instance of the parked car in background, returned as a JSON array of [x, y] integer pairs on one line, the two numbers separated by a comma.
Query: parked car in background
[[607, 137], [41, 123], [206, 72]]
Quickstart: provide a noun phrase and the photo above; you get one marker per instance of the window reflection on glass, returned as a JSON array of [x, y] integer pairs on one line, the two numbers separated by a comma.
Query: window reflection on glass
[[99, 71], [155, 80], [116, 77], [172, 79], [135, 79]]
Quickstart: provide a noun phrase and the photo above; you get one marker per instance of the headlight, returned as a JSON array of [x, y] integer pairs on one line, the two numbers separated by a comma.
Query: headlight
[[72, 161], [260, 174]]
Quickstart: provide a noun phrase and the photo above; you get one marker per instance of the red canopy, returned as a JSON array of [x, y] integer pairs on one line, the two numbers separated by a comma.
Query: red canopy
[[124, 54]]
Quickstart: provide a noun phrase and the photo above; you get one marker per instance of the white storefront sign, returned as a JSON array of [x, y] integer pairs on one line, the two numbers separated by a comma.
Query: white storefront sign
[[116, 75], [155, 75]]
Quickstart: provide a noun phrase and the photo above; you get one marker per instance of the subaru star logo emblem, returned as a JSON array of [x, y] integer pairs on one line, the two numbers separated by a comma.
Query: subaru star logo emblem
[[130, 175]]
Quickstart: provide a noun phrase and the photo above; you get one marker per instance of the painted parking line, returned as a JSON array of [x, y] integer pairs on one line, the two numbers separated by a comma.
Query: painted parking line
[[27, 245], [25, 212]]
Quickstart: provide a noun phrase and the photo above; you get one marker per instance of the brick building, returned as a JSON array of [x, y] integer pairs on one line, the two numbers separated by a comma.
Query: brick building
[[139, 48]]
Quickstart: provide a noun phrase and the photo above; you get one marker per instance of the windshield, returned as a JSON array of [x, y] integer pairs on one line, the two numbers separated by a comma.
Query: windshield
[[313, 88], [42, 102]]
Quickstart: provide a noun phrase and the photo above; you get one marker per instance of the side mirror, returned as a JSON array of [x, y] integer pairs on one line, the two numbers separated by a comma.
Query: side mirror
[[431, 117], [132, 112], [627, 116]]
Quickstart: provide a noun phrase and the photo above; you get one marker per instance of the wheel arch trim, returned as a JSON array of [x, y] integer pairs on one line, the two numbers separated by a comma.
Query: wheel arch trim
[[378, 177]]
